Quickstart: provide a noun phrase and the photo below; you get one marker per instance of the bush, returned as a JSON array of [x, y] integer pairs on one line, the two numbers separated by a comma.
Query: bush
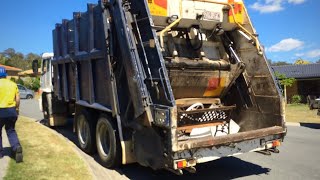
[[20, 81], [32, 83], [296, 99], [13, 79]]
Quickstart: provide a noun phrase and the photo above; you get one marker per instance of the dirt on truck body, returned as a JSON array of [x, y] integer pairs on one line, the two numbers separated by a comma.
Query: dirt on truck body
[[167, 84]]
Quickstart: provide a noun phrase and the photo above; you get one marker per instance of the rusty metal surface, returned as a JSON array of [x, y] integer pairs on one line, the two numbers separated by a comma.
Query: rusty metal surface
[[189, 101], [215, 141], [187, 83], [188, 129]]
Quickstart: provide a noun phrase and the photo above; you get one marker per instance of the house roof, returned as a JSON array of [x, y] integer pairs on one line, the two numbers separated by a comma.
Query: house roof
[[10, 68], [299, 71], [29, 72]]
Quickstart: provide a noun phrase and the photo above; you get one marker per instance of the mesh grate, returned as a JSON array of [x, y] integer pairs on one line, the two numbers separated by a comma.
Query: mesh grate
[[203, 116]]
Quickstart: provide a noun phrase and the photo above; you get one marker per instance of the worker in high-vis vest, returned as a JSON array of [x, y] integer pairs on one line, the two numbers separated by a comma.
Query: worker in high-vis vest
[[9, 110]]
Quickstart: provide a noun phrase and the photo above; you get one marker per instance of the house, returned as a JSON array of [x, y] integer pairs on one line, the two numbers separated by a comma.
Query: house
[[11, 71], [29, 73], [307, 79]]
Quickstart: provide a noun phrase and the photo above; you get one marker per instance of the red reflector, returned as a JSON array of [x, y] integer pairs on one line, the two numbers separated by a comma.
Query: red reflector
[[276, 143], [182, 164]]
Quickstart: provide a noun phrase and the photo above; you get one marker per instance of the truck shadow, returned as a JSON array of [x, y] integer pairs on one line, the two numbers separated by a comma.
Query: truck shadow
[[311, 125], [225, 168]]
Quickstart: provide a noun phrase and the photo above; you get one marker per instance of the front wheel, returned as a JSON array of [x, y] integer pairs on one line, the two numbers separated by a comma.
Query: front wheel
[[29, 96], [108, 143]]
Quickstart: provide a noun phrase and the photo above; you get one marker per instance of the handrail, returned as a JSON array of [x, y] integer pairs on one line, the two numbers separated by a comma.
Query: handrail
[[167, 29]]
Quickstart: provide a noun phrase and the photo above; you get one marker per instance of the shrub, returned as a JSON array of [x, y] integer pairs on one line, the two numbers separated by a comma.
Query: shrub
[[32, 83], [20, 81], [296, 99], [13, 79]]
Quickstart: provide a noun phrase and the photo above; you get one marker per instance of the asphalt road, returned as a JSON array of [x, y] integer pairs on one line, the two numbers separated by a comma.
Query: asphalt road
[[298, 159], [30, 108]]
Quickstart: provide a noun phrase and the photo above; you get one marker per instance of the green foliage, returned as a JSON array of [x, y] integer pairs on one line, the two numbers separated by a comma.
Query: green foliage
[[32, 83], [20, 81], [13, 79], [283, 80], [10, 57], [296, 99], [301, 61], [36, 84]]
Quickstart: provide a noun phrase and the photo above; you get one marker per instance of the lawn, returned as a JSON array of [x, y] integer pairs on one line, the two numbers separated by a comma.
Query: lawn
[[46, 155], [301, 113]]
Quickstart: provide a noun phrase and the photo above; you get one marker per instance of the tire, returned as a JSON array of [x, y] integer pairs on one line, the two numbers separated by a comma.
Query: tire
[[85, 132], [29, 96], [108, 143], [46, 114], [311, 106]]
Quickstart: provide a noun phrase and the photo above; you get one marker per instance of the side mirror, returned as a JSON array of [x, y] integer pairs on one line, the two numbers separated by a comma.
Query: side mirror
[[35, 66]]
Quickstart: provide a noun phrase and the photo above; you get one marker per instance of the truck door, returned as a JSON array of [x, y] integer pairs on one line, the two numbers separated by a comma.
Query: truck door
[[46, 77]]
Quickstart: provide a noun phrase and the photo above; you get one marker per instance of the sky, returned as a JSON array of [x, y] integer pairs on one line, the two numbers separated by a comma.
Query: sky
[[288, 29]]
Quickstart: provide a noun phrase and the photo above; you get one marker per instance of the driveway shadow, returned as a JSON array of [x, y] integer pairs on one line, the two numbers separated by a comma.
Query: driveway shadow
[[224, 168]]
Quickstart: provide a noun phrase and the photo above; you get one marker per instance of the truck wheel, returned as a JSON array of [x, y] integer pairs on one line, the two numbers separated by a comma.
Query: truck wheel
[[108, 143], [46, 114], [85, 132]]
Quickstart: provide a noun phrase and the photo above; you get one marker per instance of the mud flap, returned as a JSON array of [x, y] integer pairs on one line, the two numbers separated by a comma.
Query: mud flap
[[58, 120], [148, 148]]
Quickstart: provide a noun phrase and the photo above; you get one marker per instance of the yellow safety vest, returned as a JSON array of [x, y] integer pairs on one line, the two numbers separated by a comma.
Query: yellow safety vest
[[8, 92]]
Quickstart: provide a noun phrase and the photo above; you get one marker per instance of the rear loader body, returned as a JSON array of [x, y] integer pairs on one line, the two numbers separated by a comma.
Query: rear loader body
[[167, 84]]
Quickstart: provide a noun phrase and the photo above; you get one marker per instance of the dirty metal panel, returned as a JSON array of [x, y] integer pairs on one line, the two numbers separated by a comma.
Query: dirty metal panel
[[232, 138], [263, 103], [263, 86], [71, 80], [197, 84], [101, 81], [84, 80], [250, 120], [209, 154], [83, 32]]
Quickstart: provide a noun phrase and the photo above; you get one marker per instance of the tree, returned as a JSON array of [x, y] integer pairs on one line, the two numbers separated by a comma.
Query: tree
[[10, 57], [285, 82], [301, 61]]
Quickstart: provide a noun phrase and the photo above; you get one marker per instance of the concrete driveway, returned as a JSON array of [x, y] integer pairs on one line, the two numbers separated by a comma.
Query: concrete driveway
[[298, 159]]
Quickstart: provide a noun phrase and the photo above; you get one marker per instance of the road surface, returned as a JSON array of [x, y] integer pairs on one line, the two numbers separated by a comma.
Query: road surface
[[298, 159]]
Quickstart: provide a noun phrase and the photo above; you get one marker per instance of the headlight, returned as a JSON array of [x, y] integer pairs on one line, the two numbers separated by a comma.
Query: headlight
[[162, 117]]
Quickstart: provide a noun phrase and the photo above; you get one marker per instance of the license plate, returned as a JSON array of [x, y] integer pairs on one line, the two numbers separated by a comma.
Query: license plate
[[211, 15]]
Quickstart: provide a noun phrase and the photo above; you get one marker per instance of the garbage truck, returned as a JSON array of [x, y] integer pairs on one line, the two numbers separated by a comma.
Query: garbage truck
[[166, 84]]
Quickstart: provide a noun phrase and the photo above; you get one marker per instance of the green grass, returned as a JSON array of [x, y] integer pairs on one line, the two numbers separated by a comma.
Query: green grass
[[46, 155], [300, 113]]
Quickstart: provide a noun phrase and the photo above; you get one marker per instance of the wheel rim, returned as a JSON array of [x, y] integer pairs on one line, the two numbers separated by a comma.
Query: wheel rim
[[103, 140], [83, 130]]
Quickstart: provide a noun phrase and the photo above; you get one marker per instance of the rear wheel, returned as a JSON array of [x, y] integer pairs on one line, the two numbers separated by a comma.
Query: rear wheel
[[29, 96], [108, 143], [85, 132]]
